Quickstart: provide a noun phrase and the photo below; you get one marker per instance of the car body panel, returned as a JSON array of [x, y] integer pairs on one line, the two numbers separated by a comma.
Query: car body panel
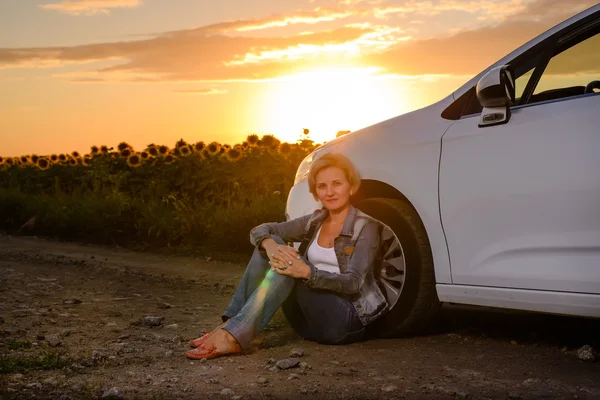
[[584, 305], [520, 202]]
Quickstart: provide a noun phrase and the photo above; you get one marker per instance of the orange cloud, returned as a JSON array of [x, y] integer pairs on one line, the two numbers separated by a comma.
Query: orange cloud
[[469, 52], [306, 17], [206, 53], [202, 92], [195, 54], [375, 38], [90, 7], [483, 8]]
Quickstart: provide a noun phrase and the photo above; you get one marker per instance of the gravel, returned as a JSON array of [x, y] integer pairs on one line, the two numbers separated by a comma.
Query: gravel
[[297, 353], [152, 320], [114, 393], [287, 363], [587, 353]]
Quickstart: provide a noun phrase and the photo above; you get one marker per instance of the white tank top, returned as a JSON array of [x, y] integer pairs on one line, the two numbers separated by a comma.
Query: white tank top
[[323, 258]]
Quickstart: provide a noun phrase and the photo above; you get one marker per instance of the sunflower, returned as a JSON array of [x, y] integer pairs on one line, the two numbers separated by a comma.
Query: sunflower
[[213, 148], [104, 149], [199, 146], [245, 144], [54, 157], [169, 158], [10, 161], [34, 158], [227, 146], [43, 163], [184, 150], [126, 152], [73, 161], [134, 160], [24, 159], [285, 149], [153, 151], [233, 154], [94, 150], [145, 155], [305, 131], [269, 141], [122, 146], [2, 160], [252, 140], [86, 160], [62, 157], [163, 149], [180, 143], [75, 154], [205, 153], [222, 150]]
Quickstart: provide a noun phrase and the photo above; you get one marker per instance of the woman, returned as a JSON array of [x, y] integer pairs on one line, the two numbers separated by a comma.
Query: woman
[[328, 288]]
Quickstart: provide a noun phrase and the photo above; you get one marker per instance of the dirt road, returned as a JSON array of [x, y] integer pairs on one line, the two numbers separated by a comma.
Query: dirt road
[[79, 312]]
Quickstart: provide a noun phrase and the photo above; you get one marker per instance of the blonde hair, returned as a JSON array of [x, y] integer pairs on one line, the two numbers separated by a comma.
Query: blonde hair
[[333, 160]]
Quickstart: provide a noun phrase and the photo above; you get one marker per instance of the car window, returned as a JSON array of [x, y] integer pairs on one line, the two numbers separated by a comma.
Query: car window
[[575, 63], [521, 84], [569, 71]]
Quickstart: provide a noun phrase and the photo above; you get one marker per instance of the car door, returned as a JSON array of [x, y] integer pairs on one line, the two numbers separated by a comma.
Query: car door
[[520, 202]]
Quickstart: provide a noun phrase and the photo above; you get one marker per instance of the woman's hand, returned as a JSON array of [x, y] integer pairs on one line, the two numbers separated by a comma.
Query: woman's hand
[[295, 269], [285, 259]]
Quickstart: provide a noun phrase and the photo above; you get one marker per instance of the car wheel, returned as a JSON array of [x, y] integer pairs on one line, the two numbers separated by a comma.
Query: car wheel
[[418, 301]]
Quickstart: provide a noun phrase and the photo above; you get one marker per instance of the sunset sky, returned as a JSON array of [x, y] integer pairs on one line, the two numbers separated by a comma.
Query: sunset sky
[[89, 72]]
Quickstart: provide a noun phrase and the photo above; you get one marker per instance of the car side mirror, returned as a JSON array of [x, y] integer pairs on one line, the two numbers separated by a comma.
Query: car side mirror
[[496, 93]]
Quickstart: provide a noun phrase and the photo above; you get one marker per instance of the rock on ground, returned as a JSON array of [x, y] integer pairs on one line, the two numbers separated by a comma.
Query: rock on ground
[[586, 353], [152, 320], [287, 363], [114, 393]]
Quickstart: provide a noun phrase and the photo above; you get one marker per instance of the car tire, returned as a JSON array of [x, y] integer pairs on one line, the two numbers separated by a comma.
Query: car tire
[[418, 302]]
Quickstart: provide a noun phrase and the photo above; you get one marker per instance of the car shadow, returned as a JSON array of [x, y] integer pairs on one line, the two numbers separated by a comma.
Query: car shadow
[[521, 326]]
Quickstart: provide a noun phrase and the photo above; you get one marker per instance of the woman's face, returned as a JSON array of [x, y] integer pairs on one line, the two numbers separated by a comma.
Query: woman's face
[[332, 188]]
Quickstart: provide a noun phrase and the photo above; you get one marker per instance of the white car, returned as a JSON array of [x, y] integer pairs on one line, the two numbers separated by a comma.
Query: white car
[[494, 191]]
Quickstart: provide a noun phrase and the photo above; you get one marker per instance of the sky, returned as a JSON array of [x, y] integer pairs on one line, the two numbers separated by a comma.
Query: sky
[[79, 73]]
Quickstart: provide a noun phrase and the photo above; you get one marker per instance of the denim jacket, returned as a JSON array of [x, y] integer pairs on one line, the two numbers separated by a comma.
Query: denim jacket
[[363, 258]]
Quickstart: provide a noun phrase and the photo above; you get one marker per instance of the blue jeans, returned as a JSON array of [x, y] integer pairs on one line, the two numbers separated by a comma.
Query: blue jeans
[[316, 315]]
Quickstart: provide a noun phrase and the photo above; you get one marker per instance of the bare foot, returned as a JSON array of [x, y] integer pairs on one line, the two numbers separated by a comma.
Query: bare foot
[[219, 344], [217, 328], [202, 339], [223, 341]]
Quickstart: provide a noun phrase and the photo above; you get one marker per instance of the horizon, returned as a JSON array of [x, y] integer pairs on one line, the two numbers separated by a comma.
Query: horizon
[[99, 72]]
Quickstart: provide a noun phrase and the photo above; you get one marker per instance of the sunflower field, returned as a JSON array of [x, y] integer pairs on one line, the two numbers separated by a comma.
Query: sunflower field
[[187, 195]]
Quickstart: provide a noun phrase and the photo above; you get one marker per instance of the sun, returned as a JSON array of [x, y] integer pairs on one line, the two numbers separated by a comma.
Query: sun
[[328, 100]]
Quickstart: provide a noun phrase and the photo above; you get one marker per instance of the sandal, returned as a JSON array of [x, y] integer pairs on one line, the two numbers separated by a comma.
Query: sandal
[[210, 351], [200, 341]]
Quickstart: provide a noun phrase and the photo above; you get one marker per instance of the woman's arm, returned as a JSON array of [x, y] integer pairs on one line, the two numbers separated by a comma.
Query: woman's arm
[[364, 256], [289, 231]]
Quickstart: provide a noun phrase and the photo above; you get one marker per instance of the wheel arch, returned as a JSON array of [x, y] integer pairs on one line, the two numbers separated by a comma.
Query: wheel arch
[[371, 188], [374, 188]]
